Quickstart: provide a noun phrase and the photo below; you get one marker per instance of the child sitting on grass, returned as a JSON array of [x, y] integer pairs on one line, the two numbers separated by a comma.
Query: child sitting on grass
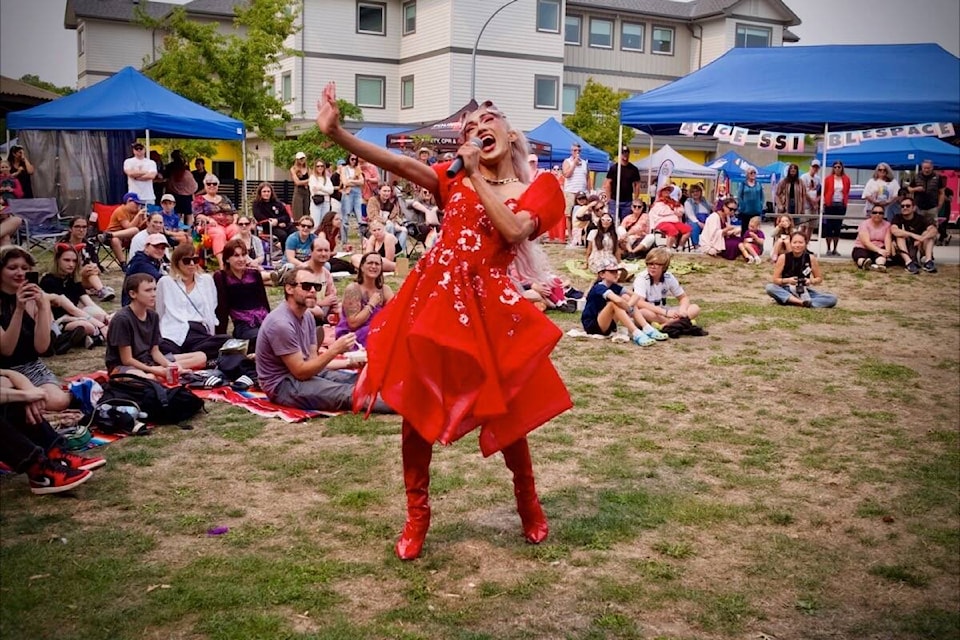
[[751, 246], [607, 304], [655, 284]]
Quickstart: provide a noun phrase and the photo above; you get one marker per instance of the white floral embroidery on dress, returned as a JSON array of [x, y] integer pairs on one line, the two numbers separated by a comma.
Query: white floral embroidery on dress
[[445, 257], [445, 280], [464, 319], [469, 241], [457, 197], [509, 296]]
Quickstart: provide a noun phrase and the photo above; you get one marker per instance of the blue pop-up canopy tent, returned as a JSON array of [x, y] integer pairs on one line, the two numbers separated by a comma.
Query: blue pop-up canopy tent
[[561, 139], [79, 141], [129, 101], [791, 89], [899, 153], [734, 167]]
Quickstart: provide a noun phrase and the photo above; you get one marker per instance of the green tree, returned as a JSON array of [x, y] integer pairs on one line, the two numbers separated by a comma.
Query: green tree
[[227, 72], [314, 143], [597, 117], [43, 84]]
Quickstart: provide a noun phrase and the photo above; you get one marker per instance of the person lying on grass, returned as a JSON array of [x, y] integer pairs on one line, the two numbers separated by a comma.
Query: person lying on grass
[[607, 304], [654, 285], [134, 336]]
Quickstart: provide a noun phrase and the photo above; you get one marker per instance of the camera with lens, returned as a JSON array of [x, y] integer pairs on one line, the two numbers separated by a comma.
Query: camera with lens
[[802, 283]]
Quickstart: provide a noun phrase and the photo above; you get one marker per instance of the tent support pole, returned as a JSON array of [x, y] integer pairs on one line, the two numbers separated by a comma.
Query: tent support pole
[[616, 196], [148, 142], [650, 168], [823, 163], [243, 153]]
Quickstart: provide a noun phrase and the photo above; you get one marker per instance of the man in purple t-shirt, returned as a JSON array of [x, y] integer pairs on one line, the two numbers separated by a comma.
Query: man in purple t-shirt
[[289, 368]]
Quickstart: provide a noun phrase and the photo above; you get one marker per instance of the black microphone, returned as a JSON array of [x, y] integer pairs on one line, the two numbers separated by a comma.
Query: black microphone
[[457, 165]]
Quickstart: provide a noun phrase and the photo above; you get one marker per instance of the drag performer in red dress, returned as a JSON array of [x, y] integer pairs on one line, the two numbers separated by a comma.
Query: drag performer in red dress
[[458, 347]]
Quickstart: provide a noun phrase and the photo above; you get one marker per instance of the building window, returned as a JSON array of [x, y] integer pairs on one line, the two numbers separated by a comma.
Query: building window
[[571, 30], [601, 33], [270, 86], [548, 16], [749, 35], [409, 17], [662, 40], [372, 18], [286, 88], [571, 93], [406, 92], [81, 33], [371, 91], [545, 92], [631, 36]]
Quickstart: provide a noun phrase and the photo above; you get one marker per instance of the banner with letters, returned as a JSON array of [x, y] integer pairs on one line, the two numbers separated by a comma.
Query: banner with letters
[[794, 142]]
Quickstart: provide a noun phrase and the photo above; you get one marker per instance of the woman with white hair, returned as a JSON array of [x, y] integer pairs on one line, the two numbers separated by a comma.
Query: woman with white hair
[[881, 189], [458, 348]]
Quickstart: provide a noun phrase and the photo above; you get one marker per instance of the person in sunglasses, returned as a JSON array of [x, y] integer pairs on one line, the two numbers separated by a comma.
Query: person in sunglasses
[[459, 349], [720, 237], [291, 370], [187, 306]]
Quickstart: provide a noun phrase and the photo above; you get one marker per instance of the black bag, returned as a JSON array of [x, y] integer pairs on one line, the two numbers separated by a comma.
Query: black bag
[[161, 404], [318, 198]]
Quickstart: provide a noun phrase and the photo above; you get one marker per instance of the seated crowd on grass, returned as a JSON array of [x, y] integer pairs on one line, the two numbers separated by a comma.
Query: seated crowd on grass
[[175, 314]]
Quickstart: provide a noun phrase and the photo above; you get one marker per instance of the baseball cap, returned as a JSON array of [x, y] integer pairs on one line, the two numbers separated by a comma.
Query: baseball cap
[[127, 197], [815, 163], [624, 149], [137, 145], [300, 155], [157, 238], [168, 197]]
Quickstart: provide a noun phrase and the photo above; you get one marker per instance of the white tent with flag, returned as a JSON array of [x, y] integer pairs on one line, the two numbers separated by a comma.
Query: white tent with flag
[[682, 166]]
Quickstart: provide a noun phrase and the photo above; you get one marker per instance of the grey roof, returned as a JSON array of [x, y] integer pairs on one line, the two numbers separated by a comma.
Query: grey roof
[[684, 11], [118, 10], [213, 7], [125, 10]]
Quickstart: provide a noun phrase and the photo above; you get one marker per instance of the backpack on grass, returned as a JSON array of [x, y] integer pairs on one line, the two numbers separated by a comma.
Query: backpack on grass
[[162, 405]]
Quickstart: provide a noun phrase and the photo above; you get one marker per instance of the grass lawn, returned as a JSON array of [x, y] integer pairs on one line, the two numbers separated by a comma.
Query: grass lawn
[[795, 474]]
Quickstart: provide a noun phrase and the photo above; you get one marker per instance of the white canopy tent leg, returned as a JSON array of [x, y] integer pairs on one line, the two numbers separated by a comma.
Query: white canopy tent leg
[[148, 142], [823, 163]]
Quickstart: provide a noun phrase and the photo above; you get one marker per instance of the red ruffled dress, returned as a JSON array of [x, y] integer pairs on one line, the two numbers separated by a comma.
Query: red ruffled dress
[[458, 347]]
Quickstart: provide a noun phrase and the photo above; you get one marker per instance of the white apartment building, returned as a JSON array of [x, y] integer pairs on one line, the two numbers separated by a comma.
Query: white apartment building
[[413, 61]]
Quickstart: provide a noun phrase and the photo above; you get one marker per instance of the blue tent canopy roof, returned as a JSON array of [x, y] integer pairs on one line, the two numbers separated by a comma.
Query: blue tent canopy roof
[[794, 89], [560, 139], [899, 153], [734, 166], [129, 101]]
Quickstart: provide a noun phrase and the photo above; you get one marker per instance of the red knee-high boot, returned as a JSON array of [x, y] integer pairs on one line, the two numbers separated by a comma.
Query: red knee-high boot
[[417, 453], [517, 457]]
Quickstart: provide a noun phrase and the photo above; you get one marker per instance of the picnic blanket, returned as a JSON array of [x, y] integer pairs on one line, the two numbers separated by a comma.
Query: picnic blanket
[[97, 439], [677, 268], [256, 402]]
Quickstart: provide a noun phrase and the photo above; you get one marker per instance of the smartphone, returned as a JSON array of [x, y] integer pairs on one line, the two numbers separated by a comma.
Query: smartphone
[[33, 277]]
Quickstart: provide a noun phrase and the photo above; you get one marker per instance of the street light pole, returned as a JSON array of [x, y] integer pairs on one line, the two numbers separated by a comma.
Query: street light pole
[[473, 59]]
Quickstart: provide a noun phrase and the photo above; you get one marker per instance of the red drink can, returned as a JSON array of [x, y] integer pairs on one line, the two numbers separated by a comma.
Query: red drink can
[[173, 374]]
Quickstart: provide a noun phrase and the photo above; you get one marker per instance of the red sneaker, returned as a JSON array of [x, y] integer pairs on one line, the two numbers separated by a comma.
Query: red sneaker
[[74, 461], [51, 476]]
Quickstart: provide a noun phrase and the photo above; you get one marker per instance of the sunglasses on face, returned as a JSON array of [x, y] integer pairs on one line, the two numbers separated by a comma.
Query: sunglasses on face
[[731, 209], [210, 184], [353, 159], [243, 224], [306, 226], [906, 206], [877, 213], [308, 286], [188, 260], [636, 206]]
